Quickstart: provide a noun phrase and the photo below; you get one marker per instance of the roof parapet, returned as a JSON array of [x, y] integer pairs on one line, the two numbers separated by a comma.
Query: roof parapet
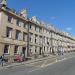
[[3, 2], [42, 23], [23, 13], [34, 19], [51, 27]]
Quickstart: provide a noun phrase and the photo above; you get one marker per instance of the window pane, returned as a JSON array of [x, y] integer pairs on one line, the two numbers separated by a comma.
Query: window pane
[[18, 23], [15, 49], [9, 18], [6, 48], [17, 35], [30, 26], [8, 32], [24, 37], [25, 26]]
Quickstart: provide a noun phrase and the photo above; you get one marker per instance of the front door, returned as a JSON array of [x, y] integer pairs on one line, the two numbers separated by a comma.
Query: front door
[[23, 51]]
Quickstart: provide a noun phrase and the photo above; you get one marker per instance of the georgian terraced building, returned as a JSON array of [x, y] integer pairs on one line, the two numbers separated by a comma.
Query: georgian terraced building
[[20, 34]]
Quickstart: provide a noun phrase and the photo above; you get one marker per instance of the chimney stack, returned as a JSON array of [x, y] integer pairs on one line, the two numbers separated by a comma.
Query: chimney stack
[[3, 2], [23, 13]]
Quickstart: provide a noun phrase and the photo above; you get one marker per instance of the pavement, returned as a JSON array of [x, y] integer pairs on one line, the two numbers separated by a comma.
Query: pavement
[[7, 65], [64, 65], [36, 65]]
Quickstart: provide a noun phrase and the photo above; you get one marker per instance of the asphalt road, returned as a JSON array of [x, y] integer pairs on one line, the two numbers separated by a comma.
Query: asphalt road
[[65, 67]]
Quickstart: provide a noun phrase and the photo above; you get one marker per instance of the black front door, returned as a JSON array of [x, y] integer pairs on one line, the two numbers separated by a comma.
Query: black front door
[[23, 51]]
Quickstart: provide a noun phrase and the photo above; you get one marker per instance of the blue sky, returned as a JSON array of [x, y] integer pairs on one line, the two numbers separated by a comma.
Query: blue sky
[[60, 13]]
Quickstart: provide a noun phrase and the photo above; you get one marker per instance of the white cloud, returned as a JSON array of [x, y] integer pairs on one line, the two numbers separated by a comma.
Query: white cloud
[[53, 17], [68, 28]]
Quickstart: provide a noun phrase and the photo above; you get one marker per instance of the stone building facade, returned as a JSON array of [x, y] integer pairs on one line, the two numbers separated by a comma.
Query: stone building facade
[[20, 34]]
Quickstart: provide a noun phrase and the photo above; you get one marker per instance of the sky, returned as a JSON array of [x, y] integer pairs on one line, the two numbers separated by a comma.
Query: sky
[[59, 13]]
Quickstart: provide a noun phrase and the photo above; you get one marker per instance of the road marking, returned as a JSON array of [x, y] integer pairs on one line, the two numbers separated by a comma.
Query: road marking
[[34, 70], [44, 63], [53, 62], [41, 67], [47, 65], [44, 66]]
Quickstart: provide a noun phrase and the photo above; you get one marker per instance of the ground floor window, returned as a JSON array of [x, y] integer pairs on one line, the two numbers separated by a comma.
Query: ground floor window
[[40, 52], [44, 48], [35, 49], [16, 49], [6, 49]]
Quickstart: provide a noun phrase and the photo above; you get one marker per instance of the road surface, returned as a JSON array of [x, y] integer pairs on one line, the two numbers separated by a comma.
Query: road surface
[[65, 67]]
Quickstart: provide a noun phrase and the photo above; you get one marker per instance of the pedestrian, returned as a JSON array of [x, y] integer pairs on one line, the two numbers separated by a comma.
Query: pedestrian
[[2, 60]]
